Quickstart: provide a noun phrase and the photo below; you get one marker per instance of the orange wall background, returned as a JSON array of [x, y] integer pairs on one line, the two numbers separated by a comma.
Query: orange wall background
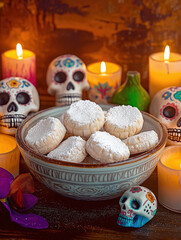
[[121, 31]]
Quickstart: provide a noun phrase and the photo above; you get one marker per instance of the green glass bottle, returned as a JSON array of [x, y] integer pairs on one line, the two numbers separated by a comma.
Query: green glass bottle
[[132, 93]]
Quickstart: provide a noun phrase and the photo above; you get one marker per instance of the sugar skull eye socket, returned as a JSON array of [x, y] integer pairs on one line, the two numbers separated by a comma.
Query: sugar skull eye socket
[[169, 112], [135, 204], [60, 77], [23, 98], [78, 76], [4, 98], [123, 199]]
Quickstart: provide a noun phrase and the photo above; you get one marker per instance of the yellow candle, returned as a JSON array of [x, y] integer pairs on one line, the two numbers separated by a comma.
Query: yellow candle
[[164, 71], [169, 178], [104, 78], [19, 63], [9, 154]]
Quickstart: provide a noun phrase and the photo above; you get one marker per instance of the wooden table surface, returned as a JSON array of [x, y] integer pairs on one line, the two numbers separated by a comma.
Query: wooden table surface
[[73, 219]]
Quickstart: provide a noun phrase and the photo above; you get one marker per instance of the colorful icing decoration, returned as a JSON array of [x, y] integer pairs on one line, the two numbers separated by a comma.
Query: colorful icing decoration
[[66, 79], [166, 106], [138, 206], [18, 97]]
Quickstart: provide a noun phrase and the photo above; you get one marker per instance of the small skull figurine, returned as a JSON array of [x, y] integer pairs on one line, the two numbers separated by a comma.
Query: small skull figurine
[[166, 106], [18, 97], [138, 206], [66, 78]]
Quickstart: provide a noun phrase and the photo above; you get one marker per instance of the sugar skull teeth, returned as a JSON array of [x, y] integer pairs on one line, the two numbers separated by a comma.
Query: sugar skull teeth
[[138, 206], [174, 134], [18, 97], [66, 79], [11, 121], [68, 99], [166, 106]]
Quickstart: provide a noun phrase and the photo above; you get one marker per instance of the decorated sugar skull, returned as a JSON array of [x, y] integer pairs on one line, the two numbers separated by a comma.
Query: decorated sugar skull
[[166, 106], [66, 79], [18, 97], [138, 206]]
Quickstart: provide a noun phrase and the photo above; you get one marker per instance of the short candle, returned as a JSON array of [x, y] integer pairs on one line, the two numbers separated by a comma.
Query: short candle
[[9, 154], [169, 178], [19, 63], [104, 78], [164, 71]]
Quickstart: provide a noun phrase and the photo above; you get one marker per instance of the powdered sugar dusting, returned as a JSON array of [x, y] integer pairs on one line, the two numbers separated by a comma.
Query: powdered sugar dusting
[[85, 112], [42, 130], [109, 142], [123, 116], [71, 150]]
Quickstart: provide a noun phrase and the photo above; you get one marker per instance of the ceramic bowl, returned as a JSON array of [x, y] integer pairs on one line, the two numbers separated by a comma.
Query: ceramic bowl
[[90, 181]]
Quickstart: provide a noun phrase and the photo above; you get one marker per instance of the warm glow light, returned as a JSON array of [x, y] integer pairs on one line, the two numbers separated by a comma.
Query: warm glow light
[[19, 51], [103, 67], [167, 53]]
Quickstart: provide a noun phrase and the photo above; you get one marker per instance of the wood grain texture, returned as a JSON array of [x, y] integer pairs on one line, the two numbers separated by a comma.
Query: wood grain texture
[[72, 219], [122, 31]]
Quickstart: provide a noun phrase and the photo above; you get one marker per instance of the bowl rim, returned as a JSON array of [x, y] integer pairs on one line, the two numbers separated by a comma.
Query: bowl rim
[[131, 160]]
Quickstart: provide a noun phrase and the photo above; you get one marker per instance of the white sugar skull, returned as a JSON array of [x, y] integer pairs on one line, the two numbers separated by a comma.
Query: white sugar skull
[[166, 106], [138, 206], [66, 79], [18, 97]]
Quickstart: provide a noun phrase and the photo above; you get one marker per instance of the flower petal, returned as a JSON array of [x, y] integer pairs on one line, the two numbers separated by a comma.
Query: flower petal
[[5, 174], [4, 187], [29, 200], [29, 220], [16, 199], [24, 182]]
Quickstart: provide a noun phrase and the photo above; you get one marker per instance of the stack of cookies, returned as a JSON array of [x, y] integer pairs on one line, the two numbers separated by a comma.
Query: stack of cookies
[[85, 129]]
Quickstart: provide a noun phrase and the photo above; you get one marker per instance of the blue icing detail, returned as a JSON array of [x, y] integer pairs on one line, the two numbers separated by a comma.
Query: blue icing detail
[[78, 62], [68, 62], [58, 63], [167, 95], [25, 84], [137, 221], [2, 85]]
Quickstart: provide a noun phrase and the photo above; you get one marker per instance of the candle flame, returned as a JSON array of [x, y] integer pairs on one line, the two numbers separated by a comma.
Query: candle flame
[[19, 50], [167, 53], [103, 67]]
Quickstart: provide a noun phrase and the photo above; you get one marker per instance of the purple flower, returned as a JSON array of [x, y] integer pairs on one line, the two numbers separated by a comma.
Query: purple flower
[[16, 196]]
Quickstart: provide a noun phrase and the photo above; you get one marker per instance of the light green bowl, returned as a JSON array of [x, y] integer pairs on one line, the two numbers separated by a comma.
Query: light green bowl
[[90, 181]]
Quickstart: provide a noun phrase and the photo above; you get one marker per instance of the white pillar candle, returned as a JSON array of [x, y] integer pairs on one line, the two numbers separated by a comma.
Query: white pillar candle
[[19, 63], [169, 178], [164, 71], [104, 78]]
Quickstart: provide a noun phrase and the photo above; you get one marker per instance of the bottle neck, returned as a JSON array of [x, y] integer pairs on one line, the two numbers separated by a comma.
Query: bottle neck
[[133, 78]]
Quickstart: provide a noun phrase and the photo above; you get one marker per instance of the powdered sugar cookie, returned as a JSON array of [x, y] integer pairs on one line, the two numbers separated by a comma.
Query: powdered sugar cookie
[[106, 148], [141, 142], [83, 118], [45, 135], [123, 121], [70, 150]]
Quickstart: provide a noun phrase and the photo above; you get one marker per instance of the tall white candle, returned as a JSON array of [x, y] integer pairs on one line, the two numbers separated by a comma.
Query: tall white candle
[[164, 71]]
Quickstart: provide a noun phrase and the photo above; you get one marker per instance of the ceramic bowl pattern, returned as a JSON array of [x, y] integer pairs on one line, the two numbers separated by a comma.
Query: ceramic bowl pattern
[[90, 181]]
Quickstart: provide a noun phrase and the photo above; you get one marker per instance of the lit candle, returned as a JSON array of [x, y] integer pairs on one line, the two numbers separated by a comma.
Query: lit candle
[[19, 63], [104, 78], [9, 154], [164, 70], [169, 178]]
